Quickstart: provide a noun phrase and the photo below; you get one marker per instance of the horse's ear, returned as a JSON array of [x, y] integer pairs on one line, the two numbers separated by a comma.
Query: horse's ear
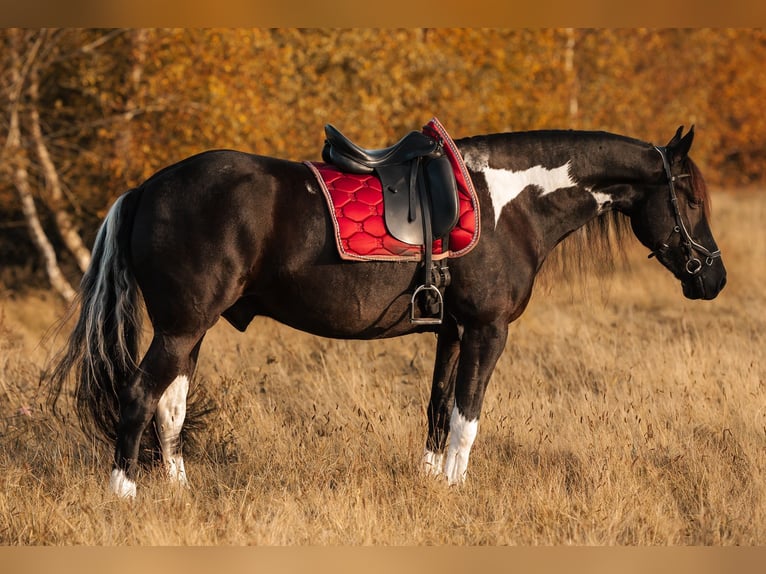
[[686, 143], [680, 146], [676, 138]]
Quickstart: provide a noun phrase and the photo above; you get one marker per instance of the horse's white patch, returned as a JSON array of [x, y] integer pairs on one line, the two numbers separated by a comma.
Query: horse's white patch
[[505, 185], [171, 411], [462, 434], [603, 200], [433, 462], [476, 160], [121, 485]]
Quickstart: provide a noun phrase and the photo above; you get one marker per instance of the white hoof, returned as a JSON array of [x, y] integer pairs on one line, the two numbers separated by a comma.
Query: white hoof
[[432, 463], [121, 485], [176, 471]]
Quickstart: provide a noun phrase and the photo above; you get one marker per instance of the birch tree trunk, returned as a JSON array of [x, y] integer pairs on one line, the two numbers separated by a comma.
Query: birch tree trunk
[[66, 227], [571, 72], [19, 173]]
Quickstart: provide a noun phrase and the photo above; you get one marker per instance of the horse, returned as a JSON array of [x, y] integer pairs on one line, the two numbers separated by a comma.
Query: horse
[[235, 235]]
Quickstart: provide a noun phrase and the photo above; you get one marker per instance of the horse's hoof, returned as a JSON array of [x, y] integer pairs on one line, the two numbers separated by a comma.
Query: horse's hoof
[[121, 485], [432, 463]]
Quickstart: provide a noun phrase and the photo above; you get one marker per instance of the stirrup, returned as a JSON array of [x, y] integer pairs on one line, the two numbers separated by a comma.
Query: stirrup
[[427, 320]]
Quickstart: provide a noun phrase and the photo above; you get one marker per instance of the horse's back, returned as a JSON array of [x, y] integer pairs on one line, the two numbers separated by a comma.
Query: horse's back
[[215, 193]]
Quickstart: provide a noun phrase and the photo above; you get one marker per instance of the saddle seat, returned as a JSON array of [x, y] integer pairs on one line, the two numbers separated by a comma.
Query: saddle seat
[[341, 151]]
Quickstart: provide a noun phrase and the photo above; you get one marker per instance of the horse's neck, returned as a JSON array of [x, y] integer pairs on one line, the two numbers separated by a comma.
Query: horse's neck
[[558, 180]]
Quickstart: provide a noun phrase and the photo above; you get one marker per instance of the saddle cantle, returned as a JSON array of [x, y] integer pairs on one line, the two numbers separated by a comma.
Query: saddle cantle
[[416, 177]]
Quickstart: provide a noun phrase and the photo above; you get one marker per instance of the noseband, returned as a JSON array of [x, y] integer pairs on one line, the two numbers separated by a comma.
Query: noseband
[[693, 264]]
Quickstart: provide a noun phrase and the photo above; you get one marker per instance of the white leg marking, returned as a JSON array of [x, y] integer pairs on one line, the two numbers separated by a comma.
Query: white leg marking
[[121, 485], [433, 462], [171, 411], [462, 434]]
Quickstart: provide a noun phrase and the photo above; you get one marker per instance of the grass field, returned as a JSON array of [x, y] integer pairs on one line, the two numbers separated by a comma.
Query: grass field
[[620, 413]]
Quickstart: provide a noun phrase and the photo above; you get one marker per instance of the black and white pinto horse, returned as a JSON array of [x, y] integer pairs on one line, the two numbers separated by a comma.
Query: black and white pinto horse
[[235, 235]]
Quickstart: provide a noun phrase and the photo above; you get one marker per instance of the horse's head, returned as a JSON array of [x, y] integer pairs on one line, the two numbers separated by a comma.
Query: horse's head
[[672, 220]]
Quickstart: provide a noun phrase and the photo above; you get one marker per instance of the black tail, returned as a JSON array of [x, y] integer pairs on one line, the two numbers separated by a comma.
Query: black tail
[[102, 349]]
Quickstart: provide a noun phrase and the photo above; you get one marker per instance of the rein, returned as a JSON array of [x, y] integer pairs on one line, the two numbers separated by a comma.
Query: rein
[[693, 264]]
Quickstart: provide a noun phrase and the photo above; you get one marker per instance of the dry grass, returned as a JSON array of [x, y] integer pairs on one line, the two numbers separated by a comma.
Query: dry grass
[[620, 413]]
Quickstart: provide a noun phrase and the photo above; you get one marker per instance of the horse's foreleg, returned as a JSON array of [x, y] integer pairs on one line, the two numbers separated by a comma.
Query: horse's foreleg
[[480, 348], [442, 396], [167, 366]]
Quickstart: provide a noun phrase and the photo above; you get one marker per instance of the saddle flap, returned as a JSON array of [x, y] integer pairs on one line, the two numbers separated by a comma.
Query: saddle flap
[[397, 213], [442, 187], [441, 190]]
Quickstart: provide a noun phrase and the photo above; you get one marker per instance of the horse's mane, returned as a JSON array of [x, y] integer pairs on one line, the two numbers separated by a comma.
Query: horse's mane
[[594, 248], [699, 187]]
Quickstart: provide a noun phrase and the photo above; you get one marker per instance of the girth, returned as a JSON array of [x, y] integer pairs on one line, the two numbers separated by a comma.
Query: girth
[[420, 200]]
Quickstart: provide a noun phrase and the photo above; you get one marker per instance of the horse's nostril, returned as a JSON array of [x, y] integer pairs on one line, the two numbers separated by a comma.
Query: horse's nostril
[[722, 284]]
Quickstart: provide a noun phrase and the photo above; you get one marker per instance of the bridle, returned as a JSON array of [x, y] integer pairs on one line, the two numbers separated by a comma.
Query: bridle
[[693, 264]]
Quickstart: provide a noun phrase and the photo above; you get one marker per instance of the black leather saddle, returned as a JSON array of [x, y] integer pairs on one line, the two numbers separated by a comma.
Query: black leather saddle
[[416, 177], [420, 202]]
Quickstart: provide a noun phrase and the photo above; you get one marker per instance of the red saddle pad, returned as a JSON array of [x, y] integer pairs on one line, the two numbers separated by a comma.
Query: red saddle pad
[[355, 202]]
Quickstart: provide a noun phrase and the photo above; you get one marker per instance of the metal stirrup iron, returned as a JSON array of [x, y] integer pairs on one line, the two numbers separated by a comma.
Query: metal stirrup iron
[[435, 320]]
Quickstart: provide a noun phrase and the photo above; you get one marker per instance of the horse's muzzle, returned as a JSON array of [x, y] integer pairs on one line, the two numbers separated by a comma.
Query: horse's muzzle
[[704, 286]]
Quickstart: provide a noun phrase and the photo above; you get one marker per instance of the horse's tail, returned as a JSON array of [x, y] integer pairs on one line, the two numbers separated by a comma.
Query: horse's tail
[[103, 347]]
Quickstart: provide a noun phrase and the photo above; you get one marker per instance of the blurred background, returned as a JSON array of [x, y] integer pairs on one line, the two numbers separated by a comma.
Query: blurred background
[[620, 413], [89, 113]]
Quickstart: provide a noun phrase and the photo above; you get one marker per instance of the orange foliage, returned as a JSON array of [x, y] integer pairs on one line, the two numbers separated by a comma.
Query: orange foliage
[[120, 109]]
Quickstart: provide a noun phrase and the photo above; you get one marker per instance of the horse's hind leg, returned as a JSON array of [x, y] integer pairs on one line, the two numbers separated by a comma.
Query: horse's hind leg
[[169, 420], [168, 361]]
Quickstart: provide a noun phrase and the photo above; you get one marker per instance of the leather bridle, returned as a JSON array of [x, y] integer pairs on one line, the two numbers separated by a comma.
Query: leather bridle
[[693, 264]]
